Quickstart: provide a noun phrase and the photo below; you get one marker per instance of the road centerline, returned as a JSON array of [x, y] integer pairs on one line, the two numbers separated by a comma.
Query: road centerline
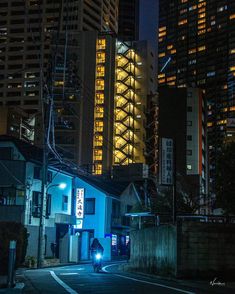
[[61, 283]]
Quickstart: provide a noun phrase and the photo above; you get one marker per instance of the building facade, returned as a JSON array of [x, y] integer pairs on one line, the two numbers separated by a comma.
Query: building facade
[[27, 38], [182, 117], [196, 48], [134, 82], [15, 122], [128, 20]]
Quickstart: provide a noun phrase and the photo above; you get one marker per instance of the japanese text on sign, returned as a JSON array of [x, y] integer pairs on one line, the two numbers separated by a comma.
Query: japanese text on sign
[[167, 161], [80, 203]]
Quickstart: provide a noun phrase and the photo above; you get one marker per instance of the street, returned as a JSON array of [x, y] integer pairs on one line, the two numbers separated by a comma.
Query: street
[[81, 279]]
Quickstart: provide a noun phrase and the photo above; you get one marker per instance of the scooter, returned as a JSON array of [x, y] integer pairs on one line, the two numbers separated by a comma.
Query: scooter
[[97, 262]]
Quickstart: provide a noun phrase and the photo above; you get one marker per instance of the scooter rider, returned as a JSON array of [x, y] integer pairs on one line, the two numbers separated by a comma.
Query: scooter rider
[[96, 247]]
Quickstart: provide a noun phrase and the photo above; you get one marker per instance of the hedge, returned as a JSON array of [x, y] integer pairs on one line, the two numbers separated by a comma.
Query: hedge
[[12, 231]]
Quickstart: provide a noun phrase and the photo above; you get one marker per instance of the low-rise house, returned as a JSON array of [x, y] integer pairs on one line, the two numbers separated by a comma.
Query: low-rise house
[[20, 196]]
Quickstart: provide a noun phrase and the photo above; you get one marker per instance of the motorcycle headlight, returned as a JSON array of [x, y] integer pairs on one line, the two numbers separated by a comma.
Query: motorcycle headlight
[[98, 256]]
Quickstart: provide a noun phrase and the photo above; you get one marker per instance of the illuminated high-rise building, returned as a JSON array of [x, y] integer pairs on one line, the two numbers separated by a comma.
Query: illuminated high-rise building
[[134, 84], [197, 49], [44, 52]]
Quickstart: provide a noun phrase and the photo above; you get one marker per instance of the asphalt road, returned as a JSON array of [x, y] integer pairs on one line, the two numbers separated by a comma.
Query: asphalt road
[[80, 279]]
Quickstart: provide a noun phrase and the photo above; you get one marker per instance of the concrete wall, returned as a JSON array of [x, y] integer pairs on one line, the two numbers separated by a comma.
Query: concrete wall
[[192, 250], [153, 250], [206, 250]]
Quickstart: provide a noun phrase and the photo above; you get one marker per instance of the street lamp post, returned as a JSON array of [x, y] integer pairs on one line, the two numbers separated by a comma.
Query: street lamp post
[[41, 233]]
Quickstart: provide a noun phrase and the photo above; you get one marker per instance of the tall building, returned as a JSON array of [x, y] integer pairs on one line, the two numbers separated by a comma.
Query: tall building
[[128, 20], [182, 118], [196, 48], [43, 57], [134, 82]]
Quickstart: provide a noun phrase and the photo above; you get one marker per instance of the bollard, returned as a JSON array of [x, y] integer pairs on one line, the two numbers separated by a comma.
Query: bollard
[[11, 264]]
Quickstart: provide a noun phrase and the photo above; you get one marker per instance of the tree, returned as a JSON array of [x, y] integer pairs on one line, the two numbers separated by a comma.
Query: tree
[[225, 179]]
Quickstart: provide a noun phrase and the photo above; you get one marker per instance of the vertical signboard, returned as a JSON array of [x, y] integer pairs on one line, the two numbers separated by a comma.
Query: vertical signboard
[[166, 167], [80, 203]]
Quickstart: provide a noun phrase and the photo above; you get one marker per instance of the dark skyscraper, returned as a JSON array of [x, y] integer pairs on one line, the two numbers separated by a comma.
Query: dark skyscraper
[[128, 22], [197, 48]]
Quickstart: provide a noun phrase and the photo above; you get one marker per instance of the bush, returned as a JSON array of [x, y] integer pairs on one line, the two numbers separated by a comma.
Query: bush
[[12, 231]]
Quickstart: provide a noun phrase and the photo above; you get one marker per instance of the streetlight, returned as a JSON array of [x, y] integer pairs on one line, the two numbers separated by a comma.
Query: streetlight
[[41, 234]]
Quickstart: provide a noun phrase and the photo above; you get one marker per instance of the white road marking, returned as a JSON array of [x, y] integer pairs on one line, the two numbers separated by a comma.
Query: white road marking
[[147, 282], [68, 274], [65, 286]]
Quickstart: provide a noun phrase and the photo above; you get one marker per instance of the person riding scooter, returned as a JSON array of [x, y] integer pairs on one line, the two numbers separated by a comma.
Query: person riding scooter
[[97, 251]]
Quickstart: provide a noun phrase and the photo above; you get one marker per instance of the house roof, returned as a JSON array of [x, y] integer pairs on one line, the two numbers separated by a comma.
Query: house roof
[[110, 187], [29, 151]]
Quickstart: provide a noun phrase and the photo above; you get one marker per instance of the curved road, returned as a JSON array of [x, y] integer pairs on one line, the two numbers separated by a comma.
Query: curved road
[[80, 279]]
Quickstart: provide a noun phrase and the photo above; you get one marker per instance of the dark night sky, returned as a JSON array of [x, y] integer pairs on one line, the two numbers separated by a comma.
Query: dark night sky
[[148, 21]]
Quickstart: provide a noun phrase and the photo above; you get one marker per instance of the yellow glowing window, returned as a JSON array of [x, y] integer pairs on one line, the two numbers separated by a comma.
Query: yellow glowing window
[[171, 78], [209, 124], [162, 54], [173, 51], [161, 81], [202, 26], [232, 108], [101, 44], [232, 16], [100, 70], [201, 15], [201, 32], [201, 48], [201, 21], [162, 34], [98, 169], [169, 47], [98, 140], [99, 85], [232, 68], [58, 83], [100, 56], [222, 122], [184, 1], [171, 84], [162, 29], [191, 51], [182, 22], [202, 10], [162, 75], [232, 51], [100, 98]]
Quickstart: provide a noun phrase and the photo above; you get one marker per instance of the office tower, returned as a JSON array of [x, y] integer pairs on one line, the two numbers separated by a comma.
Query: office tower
[[196, 48], [39, 55], [182, 118], [128, 20]]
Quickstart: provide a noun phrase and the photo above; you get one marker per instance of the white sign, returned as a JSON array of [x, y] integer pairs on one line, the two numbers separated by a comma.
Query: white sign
[[166, 168], [80, 203]]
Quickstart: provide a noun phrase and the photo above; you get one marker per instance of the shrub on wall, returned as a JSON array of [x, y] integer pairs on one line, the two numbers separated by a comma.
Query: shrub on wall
[[12, 231]]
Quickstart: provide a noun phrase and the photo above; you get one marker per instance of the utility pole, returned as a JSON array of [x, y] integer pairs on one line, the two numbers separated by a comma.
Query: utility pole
[[174, 206], [44, 122]]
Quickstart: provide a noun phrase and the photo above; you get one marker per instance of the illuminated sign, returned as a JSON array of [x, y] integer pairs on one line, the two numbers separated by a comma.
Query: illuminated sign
[[114, 240], [80, 203]]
